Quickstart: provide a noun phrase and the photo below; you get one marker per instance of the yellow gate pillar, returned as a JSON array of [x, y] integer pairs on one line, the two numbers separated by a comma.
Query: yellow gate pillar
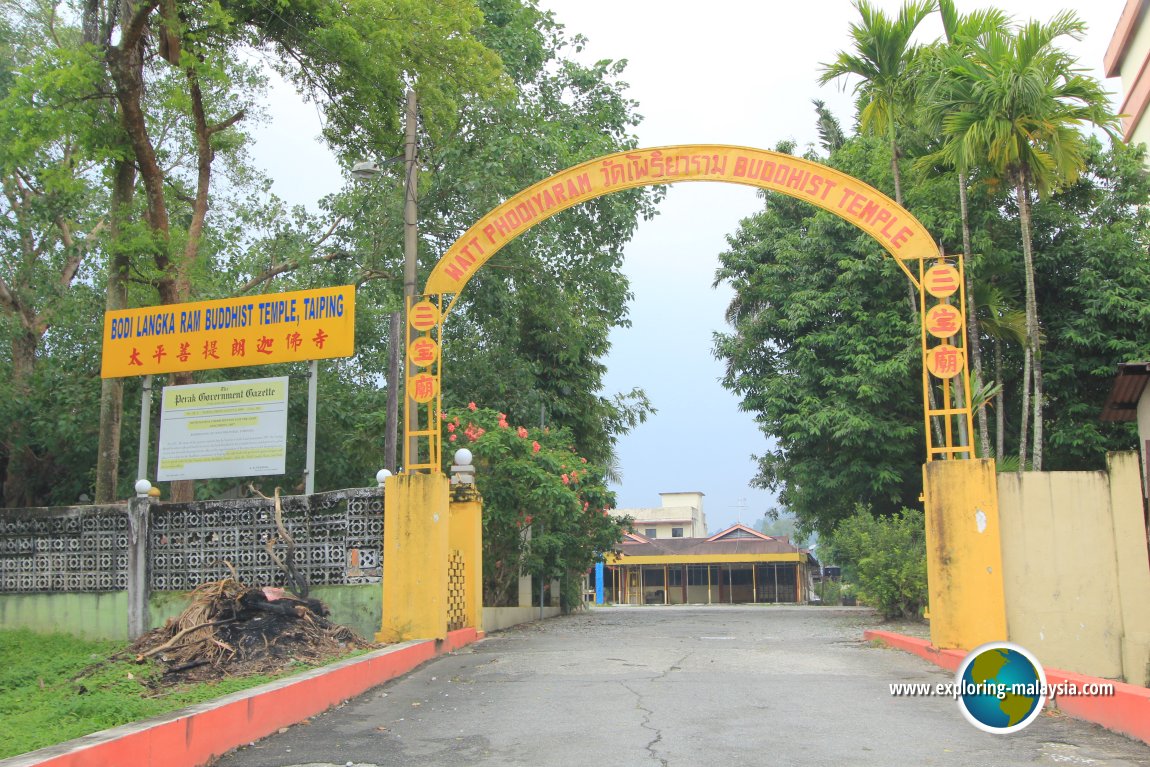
[[415, 556], [465, 588], [963, 554]]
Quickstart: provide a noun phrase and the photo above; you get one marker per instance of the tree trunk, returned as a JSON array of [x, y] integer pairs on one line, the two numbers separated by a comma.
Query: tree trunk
[[1025, 409], [1033, 363], [972, 332], [912, 294], [21, 459], [1000, 414], [112, 389]]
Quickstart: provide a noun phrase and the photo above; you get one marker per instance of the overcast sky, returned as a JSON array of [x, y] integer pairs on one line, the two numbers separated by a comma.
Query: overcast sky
[[728, 71]]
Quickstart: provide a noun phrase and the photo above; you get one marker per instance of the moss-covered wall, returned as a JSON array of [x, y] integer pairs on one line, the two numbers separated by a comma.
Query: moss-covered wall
[[105, 615]]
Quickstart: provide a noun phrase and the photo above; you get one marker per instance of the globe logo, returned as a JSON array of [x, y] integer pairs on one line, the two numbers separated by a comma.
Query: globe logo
[[1001, 687]]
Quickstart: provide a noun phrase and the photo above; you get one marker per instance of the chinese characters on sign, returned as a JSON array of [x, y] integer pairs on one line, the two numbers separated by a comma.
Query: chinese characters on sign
[[423, 316], [944, 361], [423, 387], [942, 321], [255, 330], [423, 351], [941, 280]]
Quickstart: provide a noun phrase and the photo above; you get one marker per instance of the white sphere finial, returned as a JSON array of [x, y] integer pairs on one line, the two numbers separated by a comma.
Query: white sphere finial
[[381, 476], [462, 457], [142, 488]]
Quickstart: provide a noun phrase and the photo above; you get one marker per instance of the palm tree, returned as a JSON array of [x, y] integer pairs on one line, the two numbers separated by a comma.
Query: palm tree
[[881, 60], [939, 96], [1002, 320], [1024, 102], [830, 132]]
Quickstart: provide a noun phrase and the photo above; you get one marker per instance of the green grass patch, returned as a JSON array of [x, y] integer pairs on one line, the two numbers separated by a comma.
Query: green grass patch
[[55, 687]]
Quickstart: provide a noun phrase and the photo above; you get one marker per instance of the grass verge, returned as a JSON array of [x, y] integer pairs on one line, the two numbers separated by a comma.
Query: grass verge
[[55, 687]]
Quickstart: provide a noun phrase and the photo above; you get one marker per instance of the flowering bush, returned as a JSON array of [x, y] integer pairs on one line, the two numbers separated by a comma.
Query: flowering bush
[[545, 509]]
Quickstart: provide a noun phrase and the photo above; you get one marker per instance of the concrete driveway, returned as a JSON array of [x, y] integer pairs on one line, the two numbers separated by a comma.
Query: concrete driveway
[[683, 686]]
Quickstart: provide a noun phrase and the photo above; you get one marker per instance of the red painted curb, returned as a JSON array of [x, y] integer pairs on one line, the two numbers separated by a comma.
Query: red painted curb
[[194, 736], [1126, 711]]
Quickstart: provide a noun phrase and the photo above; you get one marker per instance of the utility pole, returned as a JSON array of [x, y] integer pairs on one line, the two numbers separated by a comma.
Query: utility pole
[[394, 363], [410, 256]]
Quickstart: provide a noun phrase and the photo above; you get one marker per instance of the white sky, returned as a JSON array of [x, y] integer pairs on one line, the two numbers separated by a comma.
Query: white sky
[[728, 71]]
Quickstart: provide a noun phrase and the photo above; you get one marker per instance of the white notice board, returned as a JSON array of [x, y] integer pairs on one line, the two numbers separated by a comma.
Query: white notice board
[[230, 429]]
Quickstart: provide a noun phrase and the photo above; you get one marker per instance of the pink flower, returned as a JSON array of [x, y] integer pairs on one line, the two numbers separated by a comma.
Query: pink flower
[[472, 407], [584, 460], [452, 438], [442, 416], [451, 427], [535, 447], [566, 479], [521, 432], [585, 505]]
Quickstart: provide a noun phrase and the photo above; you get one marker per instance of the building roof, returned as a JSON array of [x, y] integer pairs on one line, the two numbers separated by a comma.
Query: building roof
[[1136, 79], [1129, 383], [733, 540], [1123, 35]]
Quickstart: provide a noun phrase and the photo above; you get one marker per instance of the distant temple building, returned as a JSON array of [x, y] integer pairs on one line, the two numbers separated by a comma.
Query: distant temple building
[[670, 560], [680, 516]]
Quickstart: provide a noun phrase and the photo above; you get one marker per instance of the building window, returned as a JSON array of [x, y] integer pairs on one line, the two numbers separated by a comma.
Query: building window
[[649, 532], [676, 532]]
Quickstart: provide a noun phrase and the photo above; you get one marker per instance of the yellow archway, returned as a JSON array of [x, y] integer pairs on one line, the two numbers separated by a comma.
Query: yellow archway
[[891, 225]]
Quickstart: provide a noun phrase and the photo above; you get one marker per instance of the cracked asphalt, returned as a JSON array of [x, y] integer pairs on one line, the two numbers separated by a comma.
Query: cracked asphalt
[[674, 686]]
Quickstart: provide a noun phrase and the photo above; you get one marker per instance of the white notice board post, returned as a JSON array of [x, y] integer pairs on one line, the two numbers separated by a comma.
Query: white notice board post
[[230, 429]]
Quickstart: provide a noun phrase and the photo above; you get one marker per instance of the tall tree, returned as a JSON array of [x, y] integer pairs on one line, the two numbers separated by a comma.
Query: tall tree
[[333, 52], [1025, 102], [52, 209], [935, 99], [882, 61]]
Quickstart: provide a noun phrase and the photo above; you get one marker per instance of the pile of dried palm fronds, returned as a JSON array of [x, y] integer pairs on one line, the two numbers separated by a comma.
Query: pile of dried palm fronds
[[230, 629]]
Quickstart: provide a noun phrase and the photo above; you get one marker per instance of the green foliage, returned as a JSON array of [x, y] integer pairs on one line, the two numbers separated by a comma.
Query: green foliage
[[545, 508], [779, 526], [55, 687], [830, 592], [887, 555], [501, 106], [824, 352]]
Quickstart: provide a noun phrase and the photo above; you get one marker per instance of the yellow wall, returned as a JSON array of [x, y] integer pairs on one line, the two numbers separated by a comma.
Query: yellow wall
[[1133, 565], [1061, 573], [1077, 571], [415, 550], [466, 536], [963, 554]]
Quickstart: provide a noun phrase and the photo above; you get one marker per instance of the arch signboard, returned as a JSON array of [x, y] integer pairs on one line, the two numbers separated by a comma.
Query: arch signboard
[[891, 225]]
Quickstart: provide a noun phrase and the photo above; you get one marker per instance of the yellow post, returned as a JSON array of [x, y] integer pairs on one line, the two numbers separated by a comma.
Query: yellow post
[[415, 552], [964, 554], [466, 537]]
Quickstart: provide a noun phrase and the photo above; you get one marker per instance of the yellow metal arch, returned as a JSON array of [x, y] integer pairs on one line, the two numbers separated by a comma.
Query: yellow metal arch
[[861, 204], [891, 225]]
